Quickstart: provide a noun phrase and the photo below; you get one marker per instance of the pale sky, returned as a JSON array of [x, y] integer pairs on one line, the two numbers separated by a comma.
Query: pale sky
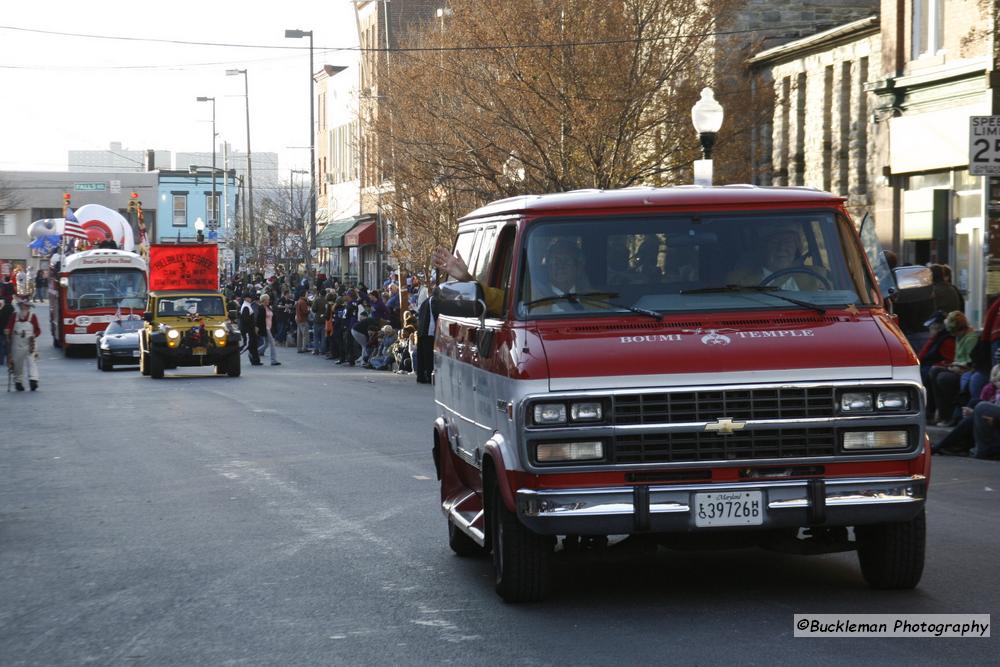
[[61, 93]]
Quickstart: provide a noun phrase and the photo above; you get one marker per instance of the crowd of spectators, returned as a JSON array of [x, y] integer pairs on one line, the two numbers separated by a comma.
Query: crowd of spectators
[[352, 325], [960, 368]]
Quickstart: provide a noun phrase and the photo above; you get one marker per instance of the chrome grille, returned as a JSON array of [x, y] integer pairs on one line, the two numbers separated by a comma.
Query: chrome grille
[[741, 404], [700, 446]]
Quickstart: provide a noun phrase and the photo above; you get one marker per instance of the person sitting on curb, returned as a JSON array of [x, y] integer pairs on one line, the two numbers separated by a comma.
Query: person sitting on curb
[[978, 432]]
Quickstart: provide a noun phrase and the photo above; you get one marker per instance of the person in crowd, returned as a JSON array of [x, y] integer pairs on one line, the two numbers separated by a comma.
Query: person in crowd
[[6, 314], [22, 332], [283, 311], [948, 382], [248, 328], [426, 326], [946, 296], [978, 432], [382, 358], [319, 321], [362, 332], [42, 284], [7, 289], [20, 280], [335, 324], [378, 307], [937, 352], [265, 323], [348, 345], [302, 323]]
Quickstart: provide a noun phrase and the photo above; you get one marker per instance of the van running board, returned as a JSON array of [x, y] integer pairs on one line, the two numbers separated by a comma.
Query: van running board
[[468, 516]]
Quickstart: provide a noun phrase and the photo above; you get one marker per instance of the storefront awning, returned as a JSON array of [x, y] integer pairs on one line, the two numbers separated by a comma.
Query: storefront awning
[[332, 234], [362, 234]]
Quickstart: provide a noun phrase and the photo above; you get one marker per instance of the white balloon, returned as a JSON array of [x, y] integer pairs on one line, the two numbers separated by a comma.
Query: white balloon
[[46, 227]]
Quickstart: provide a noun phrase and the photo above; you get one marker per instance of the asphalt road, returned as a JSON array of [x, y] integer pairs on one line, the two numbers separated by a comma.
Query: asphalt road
[[290, 517]]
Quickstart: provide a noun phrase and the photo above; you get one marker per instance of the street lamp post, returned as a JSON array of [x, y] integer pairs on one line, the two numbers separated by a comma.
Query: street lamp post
[[249, 202], [297, 34], [291, 202], [706, 115], [212, 223], [199, 228]]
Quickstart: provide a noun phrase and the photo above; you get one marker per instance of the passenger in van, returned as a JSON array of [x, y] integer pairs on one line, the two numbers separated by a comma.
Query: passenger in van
[[781, 249], [561, 273]]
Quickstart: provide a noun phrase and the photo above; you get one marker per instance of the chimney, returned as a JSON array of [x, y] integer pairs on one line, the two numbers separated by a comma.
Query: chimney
[[150, 159]]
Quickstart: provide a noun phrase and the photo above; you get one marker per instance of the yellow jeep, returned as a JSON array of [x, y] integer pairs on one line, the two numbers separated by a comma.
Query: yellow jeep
[[188, 328]]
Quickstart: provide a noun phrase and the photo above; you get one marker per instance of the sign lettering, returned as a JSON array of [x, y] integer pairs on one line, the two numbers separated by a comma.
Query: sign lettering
[[173, 267], [984, 145]]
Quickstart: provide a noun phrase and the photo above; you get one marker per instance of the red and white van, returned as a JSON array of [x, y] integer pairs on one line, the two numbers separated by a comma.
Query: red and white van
[[676, 363]]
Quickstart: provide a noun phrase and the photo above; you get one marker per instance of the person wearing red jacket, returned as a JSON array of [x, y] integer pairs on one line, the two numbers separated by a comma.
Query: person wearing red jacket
[[23, 332]]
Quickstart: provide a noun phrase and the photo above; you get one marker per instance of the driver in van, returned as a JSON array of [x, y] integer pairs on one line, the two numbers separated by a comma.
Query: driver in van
[[781, 251]]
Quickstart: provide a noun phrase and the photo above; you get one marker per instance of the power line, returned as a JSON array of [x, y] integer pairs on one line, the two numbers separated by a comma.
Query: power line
[[487, 47]]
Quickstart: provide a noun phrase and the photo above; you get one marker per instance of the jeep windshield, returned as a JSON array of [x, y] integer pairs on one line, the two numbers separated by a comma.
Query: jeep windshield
[[687, 263], [187, 306]]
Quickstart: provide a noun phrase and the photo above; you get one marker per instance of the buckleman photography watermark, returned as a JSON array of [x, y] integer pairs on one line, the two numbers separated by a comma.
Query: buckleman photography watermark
[[892, 625]]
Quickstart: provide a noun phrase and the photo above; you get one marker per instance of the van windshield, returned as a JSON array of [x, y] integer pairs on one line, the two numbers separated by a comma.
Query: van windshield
[[682, 263]]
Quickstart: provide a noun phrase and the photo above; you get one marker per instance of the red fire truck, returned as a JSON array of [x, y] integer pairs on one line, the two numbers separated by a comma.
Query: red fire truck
[[91, 287], [686, 366]]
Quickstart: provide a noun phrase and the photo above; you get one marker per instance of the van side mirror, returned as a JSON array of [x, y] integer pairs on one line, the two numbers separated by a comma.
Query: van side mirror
[[147, 316], [459, 299], [913, 284]]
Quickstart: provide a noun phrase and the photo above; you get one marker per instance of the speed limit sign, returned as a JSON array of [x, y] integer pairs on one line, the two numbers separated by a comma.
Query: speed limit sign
[[984, 145]]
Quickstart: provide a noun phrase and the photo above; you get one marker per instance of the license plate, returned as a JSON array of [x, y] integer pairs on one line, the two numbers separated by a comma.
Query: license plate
[[80, 329], [135, 353], [728, 508], [200, 350]]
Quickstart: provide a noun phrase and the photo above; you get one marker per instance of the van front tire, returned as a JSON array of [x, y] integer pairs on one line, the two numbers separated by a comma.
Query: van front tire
[[892, 554], [521, 558]]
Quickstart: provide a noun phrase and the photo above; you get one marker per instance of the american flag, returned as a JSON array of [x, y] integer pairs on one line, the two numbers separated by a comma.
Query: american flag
[[72, 227]]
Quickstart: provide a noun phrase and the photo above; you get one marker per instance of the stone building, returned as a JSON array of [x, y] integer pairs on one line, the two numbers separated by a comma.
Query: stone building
[[818, 134], [878, 110]]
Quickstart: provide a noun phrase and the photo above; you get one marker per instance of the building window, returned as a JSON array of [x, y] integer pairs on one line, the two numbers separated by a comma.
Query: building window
[[211, 207], [928, 27], [8, 224], [180, 211]]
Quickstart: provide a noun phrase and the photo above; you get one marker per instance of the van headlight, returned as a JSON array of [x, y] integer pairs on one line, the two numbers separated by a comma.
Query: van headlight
[[568, 412], [875, 401], [549, 413], [562, 452]]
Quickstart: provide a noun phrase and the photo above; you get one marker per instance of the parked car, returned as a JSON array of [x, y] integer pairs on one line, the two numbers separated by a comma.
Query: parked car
[[118, 344]]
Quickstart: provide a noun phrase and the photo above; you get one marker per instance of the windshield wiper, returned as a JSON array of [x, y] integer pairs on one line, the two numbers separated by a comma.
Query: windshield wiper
[[574, 297], [771, 290]]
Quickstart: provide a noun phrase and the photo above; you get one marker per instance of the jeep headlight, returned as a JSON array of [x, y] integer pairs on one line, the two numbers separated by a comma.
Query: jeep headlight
[[173, 337], [220, 336]]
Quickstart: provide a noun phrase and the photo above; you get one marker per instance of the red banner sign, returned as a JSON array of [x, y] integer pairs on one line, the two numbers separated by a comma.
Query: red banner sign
[[183, 267]]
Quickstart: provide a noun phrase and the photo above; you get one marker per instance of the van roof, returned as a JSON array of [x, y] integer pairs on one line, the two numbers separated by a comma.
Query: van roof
[[681, 196]]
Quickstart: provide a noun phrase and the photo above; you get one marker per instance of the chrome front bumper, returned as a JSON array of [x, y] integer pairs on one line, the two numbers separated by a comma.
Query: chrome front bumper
[[668, 509]]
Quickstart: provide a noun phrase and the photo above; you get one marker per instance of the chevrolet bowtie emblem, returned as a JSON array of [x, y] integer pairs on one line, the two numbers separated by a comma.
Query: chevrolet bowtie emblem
[[724, 426]]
